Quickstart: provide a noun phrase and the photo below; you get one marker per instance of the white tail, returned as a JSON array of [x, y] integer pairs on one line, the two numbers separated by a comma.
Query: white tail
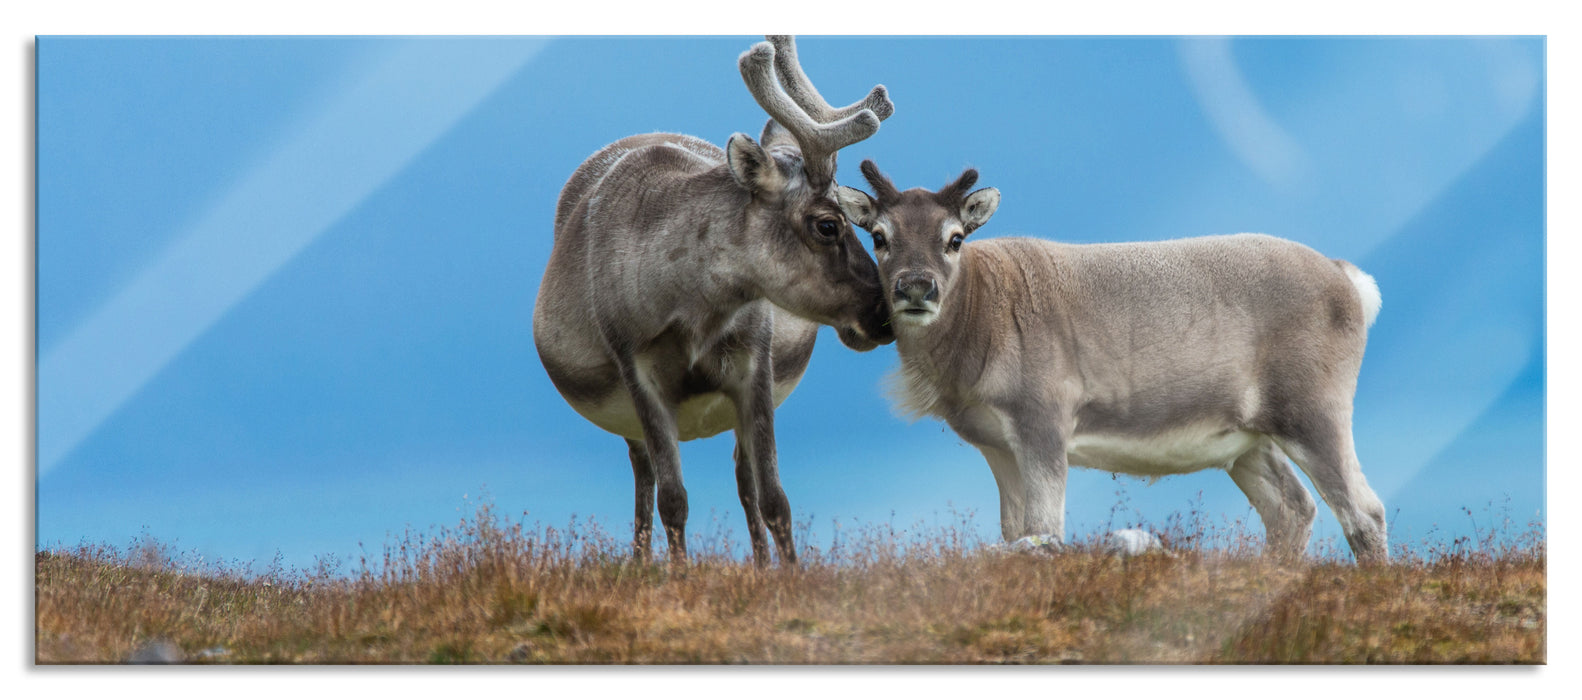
[[1367, 290]]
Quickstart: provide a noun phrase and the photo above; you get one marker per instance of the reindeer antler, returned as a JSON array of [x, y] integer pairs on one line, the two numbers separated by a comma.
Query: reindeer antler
[[818, 138], [801, 89]]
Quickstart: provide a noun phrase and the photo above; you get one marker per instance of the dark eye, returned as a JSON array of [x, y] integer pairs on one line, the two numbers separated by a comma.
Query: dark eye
[[878, 241], [828, 228], [955, 242]]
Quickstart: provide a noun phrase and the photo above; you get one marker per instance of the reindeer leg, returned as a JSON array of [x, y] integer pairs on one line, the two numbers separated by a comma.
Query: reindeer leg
[[1040, 448], [1322, 447], [643, 518], [1282, 502], [755, 435], [747, 490], [658, 419], [1007, 476]]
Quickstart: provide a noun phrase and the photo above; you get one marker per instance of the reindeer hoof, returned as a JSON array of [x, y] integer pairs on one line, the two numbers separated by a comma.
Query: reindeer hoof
[[1031, 544]]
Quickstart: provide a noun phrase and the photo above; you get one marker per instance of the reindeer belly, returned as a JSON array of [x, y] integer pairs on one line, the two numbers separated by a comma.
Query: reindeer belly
[[1175, 451], [699, 416]]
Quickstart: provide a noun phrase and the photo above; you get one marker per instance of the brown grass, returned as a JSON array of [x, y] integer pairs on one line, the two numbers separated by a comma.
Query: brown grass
[[488, 592]]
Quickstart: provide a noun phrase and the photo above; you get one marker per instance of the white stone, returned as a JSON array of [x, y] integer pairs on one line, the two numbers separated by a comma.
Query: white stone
[[1130, 542]]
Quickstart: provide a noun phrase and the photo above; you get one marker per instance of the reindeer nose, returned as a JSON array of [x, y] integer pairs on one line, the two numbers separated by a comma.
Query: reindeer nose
[[915, 288]]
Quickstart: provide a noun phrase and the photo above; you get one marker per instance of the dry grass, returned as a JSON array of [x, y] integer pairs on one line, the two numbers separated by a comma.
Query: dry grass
[[491, 592]]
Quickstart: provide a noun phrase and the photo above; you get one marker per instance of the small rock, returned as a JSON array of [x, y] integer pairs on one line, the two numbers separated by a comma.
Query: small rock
[[156, 651], [1130, 542], [214, 653], [521, 653]]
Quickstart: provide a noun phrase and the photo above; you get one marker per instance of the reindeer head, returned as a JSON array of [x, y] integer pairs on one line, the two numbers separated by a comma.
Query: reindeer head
[[817, 267], [917, 237]]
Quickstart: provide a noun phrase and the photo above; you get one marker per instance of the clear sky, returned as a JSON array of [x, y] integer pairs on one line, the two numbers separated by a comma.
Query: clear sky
[[285, 286]]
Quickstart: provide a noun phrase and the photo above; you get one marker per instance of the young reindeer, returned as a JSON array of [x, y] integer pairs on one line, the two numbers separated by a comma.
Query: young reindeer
[[1226, 352], [663, 313]]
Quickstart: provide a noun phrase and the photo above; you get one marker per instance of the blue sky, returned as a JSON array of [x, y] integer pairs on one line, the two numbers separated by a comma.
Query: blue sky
[[285, 285]]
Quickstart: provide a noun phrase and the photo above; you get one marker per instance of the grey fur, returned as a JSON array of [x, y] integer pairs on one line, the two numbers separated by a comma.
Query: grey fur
[[1144, 358], [684, 290]]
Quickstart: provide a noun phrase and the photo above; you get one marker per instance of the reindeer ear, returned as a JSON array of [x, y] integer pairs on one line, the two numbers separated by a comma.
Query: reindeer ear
[[751, 166], [774, 134], [857, 205], [978, 207]]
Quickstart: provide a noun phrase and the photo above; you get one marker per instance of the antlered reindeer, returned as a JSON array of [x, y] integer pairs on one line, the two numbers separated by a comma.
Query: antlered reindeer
[[684, 290], [1226, 352]]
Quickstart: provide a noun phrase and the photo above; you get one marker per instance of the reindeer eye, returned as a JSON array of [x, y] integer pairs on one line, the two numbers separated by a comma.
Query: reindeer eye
[[955, 243], [878, 241], [828, 228]]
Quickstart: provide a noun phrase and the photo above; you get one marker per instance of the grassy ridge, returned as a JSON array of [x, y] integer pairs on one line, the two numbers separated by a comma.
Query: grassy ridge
[[487, 592]]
